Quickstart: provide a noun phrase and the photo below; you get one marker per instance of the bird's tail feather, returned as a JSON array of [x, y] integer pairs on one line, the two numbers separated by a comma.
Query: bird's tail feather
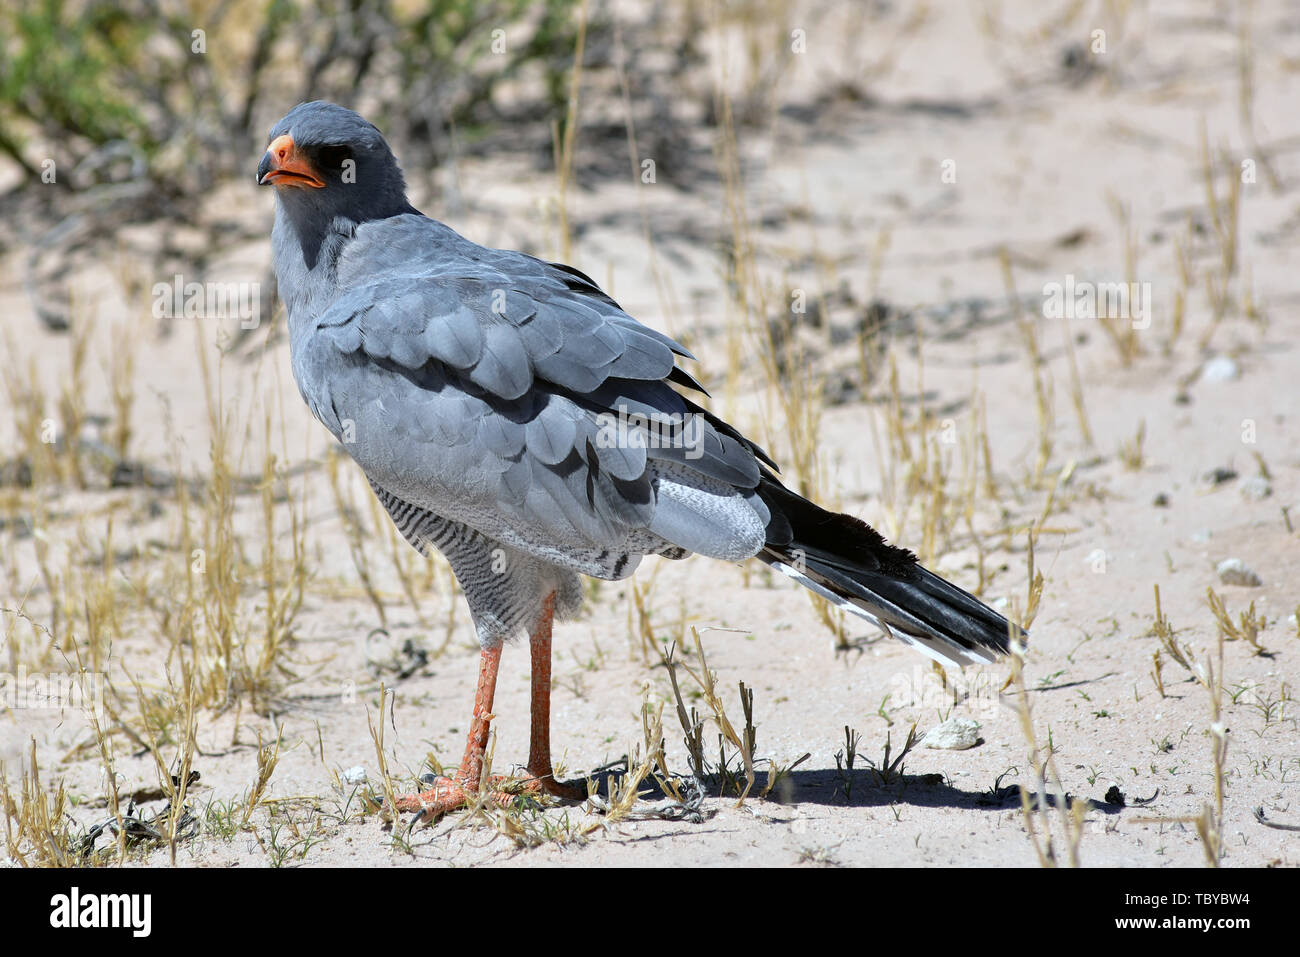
[[847, 562]]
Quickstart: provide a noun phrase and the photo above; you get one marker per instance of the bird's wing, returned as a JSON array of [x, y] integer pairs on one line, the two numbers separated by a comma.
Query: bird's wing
[[487, 386]]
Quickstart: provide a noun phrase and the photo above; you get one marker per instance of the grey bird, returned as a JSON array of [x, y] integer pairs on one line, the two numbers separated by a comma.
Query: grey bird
[[510, 415]]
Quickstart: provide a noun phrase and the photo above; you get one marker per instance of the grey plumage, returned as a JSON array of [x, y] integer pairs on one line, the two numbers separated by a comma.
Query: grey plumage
[[503, 599], [477, 388]]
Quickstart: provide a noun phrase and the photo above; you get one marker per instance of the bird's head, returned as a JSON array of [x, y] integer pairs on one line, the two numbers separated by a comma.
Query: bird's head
[[327, 160]]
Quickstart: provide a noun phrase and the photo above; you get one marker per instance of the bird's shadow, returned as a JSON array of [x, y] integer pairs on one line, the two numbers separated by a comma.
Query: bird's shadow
[[862, 787]]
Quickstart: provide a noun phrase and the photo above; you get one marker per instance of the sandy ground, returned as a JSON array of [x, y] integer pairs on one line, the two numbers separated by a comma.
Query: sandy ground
[[851, 198]]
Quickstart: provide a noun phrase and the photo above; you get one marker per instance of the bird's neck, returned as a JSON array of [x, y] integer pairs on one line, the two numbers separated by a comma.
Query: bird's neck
[[306, 242], [305, 247]]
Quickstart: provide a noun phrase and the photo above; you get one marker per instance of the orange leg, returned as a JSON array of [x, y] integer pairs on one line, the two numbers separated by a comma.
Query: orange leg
[[448, 794], [539, 747]]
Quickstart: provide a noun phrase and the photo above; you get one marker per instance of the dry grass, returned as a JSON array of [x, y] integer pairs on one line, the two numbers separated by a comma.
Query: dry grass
[[1053, 819], [217, 605], [1246, 628]]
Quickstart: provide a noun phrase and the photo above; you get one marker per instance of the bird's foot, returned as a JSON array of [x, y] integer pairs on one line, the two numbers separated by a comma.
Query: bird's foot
[[449, 794], [534, 784], [443, 796]]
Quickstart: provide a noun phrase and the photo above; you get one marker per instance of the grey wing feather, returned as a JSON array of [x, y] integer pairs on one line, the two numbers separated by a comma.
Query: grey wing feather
[[478, 384], [563, 367], [543, 335], [454, 337], [625, 462], [551, 433], [503, 369], [515, 481], [642, 358], [501, 437]]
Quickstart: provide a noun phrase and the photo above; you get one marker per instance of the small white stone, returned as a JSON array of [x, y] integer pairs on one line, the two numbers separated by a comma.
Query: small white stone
[[1233, 571], [355, 775], [1256, 488], [1220, 369], [955, 734], [1201, 535]]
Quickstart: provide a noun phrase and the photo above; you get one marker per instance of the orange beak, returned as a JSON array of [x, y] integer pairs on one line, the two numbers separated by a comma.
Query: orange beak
[[283, 165]]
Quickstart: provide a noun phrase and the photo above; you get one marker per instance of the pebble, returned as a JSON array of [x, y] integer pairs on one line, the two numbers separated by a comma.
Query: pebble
[[1233, 571], [355, 775], [1220, 369], [1255, 489], [955, 734]]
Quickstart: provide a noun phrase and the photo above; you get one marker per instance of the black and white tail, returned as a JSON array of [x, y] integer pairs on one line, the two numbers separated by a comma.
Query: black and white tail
[[848, 562]]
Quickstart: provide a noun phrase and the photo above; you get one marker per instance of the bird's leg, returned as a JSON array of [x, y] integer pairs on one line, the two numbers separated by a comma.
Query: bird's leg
[[471, 766], [539, 747], [448, 794]]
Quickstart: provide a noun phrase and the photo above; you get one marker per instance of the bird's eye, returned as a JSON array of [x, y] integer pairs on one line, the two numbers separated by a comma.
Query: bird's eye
[[333, 157]]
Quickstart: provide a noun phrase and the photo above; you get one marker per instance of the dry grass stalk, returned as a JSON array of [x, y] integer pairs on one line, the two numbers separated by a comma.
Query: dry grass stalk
[[1049, 794], [1209, 823], [1246, 628]]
